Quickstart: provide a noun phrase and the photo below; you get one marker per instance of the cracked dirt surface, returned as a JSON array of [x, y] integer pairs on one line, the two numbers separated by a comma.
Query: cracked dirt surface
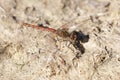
[[31, 54]]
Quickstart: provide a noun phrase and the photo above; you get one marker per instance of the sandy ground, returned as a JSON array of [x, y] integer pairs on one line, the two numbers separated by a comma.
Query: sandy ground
[[31, 54]]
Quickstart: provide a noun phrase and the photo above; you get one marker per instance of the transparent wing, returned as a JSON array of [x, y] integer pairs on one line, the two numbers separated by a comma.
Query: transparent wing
[[73, 24], [70, 26]]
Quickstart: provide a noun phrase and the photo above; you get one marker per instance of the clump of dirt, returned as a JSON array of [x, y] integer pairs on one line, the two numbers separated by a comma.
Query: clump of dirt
[[33, 54]]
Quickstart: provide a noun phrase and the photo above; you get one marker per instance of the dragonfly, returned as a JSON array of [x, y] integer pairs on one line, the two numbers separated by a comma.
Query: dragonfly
[[66, 31]]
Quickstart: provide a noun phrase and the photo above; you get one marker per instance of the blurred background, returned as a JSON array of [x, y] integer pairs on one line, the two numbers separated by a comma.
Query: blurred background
[[31, 54]]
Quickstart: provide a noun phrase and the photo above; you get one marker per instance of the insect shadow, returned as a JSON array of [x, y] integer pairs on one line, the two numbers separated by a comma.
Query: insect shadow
[[80, 38]]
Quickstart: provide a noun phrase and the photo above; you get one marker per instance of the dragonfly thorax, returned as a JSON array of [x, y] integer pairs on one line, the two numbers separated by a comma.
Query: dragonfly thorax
[[63, 33]]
